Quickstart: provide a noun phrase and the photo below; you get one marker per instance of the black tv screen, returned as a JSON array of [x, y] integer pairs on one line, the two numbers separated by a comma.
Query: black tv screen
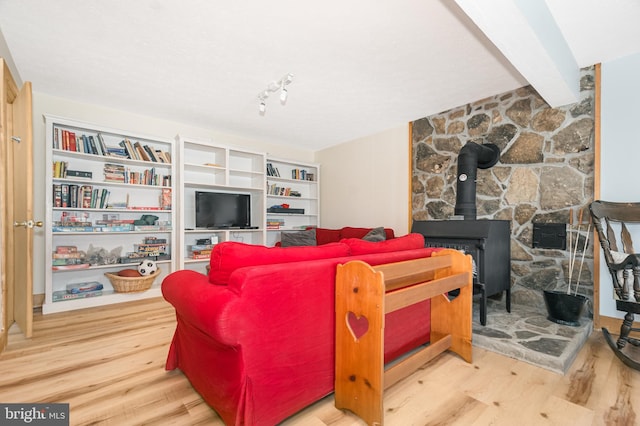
[[222, 210]]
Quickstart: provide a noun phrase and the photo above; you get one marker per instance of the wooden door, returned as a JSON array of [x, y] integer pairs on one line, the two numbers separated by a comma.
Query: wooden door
[[17, 205], [22, 144]]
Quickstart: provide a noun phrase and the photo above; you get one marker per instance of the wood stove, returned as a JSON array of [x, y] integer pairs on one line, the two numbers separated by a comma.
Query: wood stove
[[489, 244], [487, 241]]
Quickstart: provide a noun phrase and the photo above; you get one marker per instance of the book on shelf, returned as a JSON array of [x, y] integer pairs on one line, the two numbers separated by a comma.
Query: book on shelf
[[160, 156], [101, 144], [87, 190], [165, 199], [64, 295], [77, 174], [57, 195], [151, 153], [72, 255], [84, 287], [116, 151], [201, 256], [66, 262], [273, 223], [64, 196], [70, 267], [66, 249]]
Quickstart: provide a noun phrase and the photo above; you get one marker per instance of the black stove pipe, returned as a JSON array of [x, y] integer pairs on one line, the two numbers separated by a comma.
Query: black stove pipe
[[472, 156]]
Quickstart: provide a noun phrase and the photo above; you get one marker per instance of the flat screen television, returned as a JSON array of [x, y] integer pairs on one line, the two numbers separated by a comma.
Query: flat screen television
[[222, 210]]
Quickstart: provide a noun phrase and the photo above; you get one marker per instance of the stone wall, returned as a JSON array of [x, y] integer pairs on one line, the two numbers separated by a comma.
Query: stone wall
[[545, 175]]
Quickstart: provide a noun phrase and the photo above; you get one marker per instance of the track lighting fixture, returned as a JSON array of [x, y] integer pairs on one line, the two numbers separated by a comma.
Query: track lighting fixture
[[273, 87]]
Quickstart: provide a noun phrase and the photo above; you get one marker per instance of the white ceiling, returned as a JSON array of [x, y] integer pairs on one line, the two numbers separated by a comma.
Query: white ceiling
[[359, 66]]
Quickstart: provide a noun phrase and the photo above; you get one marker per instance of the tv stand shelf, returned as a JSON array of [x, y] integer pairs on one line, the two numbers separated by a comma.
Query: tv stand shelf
[[205, 166]]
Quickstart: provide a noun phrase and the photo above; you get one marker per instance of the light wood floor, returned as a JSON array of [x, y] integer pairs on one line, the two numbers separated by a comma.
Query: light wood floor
[[108, 364]]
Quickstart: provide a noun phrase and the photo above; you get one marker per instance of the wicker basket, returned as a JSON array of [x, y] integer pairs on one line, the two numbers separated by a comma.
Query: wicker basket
[[131, 284]]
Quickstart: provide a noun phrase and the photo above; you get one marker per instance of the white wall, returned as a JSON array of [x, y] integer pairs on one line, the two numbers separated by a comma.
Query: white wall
[[117, 119], [620, 150], [365, 182]]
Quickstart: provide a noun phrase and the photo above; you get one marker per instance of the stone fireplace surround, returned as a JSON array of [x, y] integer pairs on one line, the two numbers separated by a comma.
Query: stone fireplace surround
[[545, 174]]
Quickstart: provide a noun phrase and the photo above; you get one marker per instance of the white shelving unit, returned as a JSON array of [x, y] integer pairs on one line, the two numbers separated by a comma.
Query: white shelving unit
[[124, 203], [209, 167], [297, 185]]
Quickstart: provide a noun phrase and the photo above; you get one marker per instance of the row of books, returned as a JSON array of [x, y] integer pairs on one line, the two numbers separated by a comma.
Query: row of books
[[137, 151], [68, 140], [121, 174], [85, 196], [272, 171], [301, 174], [297, 174], [274, 189]]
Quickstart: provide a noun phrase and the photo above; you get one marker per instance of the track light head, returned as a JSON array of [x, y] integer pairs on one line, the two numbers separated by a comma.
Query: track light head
[[273, 87]]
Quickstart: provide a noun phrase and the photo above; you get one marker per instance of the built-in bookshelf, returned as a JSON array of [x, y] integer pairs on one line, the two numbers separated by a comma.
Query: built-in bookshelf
[[115, 197], [206, 166], [293, 197], [109, 202]]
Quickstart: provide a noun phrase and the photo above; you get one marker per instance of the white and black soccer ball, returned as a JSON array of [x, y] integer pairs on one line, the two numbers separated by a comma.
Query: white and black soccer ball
[[147, 267]]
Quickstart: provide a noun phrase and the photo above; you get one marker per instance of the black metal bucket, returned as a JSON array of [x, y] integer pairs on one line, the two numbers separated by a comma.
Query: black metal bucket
[[563, 308]]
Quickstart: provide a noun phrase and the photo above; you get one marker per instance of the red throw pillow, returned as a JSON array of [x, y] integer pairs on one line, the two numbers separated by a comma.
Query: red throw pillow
[[407, 242], [229, 256]]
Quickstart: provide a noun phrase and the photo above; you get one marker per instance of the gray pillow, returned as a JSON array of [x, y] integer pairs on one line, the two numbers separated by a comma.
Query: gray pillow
[[302, 238], [375, 235]]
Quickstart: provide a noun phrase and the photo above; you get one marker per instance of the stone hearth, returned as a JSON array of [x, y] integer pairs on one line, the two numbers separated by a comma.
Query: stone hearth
[[527, 335]]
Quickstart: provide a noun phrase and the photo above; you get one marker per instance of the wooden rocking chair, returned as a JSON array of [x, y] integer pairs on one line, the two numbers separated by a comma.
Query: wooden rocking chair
[[624, 266]]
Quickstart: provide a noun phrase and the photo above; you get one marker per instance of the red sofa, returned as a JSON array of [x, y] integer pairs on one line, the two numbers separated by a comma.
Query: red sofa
[[256, 337]]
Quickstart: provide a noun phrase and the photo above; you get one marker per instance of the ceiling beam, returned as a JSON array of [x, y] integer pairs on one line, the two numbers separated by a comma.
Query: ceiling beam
[[528, 36]]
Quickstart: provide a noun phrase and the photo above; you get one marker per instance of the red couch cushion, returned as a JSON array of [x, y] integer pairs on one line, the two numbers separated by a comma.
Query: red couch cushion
[[350, 232], [326, 236], [228, 256], [407, 242]]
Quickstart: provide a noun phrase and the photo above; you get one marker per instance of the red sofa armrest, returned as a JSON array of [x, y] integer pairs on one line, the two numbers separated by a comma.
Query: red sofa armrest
[[206, 306]]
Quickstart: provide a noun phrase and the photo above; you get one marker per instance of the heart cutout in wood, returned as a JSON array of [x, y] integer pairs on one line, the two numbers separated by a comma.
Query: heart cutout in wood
[[357, 325]]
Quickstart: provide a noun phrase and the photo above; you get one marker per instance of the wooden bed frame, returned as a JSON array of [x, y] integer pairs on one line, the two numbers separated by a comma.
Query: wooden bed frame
[[365, 294]]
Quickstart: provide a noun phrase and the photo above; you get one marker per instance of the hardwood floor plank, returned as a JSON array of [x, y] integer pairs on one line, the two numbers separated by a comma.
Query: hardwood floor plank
[[108, 364]]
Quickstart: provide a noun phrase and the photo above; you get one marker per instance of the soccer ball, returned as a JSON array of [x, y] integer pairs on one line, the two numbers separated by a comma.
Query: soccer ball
[[147, 267]]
